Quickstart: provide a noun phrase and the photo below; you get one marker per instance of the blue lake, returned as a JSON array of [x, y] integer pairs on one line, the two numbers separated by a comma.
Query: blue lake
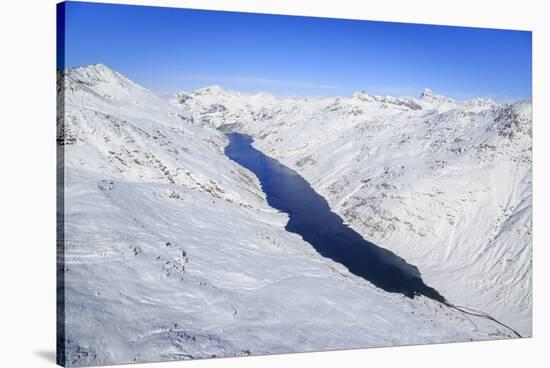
[[311, 217]]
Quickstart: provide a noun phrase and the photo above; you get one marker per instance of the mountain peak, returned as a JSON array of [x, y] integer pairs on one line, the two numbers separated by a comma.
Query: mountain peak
[[105, 82], [430, 97], [362, 96], [99, 67], [427, 93], [95, 73], [214, 89]]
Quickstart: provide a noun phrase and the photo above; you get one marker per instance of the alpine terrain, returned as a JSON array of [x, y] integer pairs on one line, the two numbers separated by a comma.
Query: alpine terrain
[[169, 249]]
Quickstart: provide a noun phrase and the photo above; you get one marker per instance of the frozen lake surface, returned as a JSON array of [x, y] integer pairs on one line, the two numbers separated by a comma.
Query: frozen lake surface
[[311, 217]]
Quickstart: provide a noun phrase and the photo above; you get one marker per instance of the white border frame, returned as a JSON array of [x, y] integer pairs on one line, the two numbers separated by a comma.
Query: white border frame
[[27, 324]]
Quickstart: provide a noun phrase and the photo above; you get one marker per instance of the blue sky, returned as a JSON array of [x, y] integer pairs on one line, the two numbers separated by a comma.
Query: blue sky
[[168, 49]]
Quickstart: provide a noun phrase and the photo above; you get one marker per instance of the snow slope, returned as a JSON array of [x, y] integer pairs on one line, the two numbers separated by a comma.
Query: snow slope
[[444, 184], [171, 251]]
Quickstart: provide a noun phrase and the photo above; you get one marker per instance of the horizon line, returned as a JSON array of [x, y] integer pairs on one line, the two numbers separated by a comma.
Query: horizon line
[[405, 91]]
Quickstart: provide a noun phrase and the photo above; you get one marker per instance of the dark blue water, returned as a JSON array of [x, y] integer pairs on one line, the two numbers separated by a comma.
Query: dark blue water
[[311, 218]]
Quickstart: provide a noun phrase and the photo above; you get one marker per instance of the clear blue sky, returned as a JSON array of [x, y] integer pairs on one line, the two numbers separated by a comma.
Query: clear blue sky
[[168, 49]]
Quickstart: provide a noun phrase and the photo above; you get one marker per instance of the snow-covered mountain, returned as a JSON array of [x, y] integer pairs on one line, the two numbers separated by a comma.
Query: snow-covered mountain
[[171, 251], [444, 184]]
